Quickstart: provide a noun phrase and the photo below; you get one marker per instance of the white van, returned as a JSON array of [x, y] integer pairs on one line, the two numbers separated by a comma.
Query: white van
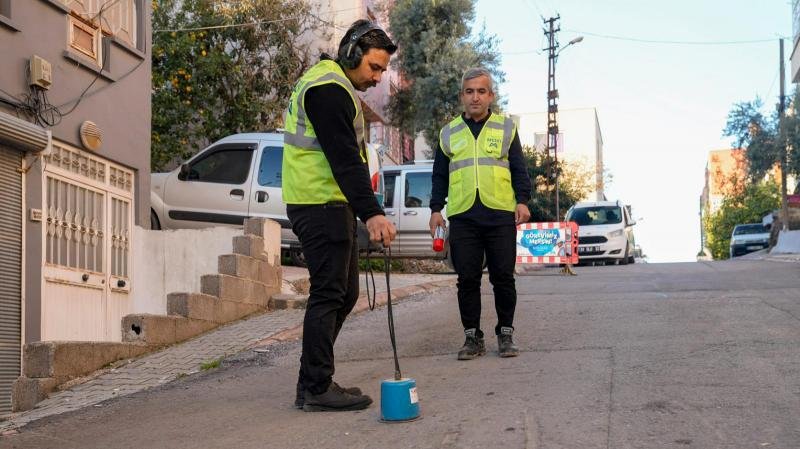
[[406, 200], [605, 231], [236, 177]]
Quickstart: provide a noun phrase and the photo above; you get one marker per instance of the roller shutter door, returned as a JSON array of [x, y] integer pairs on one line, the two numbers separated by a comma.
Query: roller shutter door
[[10, 272]]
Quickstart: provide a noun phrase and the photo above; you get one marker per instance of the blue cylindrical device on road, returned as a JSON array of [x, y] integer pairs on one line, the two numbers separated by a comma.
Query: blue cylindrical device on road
[[399, 401]]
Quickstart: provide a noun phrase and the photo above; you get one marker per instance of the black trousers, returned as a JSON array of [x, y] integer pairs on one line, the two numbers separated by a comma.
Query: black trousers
[[469, 242], [327, 234]]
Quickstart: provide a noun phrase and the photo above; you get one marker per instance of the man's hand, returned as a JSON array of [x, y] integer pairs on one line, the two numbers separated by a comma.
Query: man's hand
[[381, 230], [436, 220], [521, 214]]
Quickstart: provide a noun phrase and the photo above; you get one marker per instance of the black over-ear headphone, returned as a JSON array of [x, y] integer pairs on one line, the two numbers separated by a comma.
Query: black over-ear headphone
[[350, 54]]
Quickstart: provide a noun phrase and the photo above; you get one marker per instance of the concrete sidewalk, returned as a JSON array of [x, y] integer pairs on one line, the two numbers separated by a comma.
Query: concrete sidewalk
[[207, 350]]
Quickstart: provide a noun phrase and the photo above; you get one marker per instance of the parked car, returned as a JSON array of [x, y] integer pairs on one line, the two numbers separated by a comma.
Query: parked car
[[406, 191], [747, 238], [236, 177], [406, 199], [605, 231]]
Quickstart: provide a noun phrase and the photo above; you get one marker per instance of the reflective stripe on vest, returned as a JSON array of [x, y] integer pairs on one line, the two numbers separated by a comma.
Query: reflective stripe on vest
[[307, 176], [479, 164]]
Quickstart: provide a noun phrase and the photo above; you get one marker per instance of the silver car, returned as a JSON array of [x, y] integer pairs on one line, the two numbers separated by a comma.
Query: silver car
[[406, 201], [747, 238], [234, 178]]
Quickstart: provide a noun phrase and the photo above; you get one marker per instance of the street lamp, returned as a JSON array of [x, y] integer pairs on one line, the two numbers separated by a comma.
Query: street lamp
[[572, 42], [552, 106]]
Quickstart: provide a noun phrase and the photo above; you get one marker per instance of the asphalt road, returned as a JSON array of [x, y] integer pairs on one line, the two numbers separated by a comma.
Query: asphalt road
[[695, 355]]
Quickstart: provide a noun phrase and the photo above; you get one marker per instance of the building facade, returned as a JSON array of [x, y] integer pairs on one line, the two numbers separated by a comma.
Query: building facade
[[580, 141], [795, 53], [75, 152]]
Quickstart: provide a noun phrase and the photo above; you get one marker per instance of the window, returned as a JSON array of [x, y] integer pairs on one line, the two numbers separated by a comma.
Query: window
[[269, 172], [418, 189], [117, 18], [600, 215], [229, 166], [5, 15], [389, 181], [120, 20], [85, 39], [750, 229]]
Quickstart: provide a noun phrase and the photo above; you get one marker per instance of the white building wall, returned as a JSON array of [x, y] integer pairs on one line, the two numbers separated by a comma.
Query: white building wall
[[173, 261], [422, 150], [581, 140]]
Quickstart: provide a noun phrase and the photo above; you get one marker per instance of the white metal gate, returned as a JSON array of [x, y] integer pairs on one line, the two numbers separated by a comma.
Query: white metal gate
[[10, 272], [87, 249]]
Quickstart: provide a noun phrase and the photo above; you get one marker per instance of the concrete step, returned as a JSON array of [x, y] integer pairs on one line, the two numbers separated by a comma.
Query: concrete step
[[251, 268], [230, 288], [161, 330], [288, 301], [270, 232], [252, 246], [65, 360], [26, 392], [208, 308]]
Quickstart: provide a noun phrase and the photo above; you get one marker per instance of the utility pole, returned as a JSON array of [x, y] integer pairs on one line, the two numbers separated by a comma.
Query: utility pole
[[552, 101], [782, 139]]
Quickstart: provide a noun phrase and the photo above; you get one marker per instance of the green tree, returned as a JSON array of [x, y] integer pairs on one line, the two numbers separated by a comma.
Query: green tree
[[765, 137], [791, 128], [436, 46], [747, 205], [575, 182], [221, 68]]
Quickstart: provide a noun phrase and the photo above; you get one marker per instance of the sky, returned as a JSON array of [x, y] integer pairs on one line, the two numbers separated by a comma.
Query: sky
[[661, 107]]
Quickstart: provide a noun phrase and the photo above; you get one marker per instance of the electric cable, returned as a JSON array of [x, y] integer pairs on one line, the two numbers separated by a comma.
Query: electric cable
[[387, 258], [77, 100], [653, 41], [367, 275], [99, 72], [371, 300], [258, 22], [673, 42], [35, 102]]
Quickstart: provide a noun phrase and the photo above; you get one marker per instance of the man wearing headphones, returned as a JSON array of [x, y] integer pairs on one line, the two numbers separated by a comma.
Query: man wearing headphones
[[325, 186]]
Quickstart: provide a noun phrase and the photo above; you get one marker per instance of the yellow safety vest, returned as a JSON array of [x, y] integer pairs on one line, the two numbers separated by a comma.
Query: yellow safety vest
[[479, 164], [307, 175]]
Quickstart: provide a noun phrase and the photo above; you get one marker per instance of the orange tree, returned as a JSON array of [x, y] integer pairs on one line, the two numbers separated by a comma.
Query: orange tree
[[224, 67]]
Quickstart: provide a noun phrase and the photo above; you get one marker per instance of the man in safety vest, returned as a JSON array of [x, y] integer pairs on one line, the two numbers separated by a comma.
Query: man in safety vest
[[479, 167], [325, 186]]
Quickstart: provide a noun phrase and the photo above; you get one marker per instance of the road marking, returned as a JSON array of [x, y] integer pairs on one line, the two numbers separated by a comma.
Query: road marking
[[450, 439], [531, 431]]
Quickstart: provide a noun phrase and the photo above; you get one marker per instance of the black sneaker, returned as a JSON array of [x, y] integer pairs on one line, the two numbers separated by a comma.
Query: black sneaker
[[473, 345], [300, 398], [335, 399], [505, 343]]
